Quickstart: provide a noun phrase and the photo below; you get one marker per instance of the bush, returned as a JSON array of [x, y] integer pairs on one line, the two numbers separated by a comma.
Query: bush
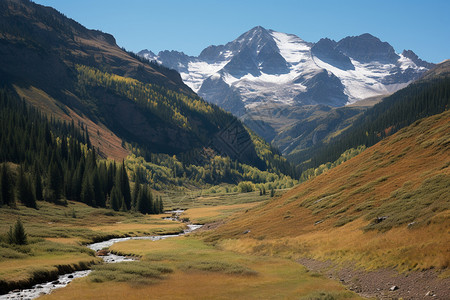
[[245, 187]]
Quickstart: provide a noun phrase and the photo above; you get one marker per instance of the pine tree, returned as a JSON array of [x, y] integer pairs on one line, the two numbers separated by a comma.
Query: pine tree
[[87, 191], [144, 203], [7, 191], [116, 198], [137, 186], [99, 196], [18, 235], [160, 206], [88, 140], [24, 189], [55, 183], [38, 185], [124, 185]]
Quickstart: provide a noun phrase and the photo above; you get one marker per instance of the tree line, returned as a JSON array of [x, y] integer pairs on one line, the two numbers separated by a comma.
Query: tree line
[[50, 160]]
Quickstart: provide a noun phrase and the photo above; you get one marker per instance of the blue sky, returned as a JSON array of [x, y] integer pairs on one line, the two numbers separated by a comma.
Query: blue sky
[[192, 25]]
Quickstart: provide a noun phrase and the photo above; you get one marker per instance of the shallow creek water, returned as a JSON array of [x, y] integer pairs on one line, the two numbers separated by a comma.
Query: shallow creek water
[[63, 280]]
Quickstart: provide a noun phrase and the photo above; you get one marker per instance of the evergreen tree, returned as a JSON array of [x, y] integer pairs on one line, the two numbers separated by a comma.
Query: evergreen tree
[[18, 235], [116, 198], [124, 185], [145, 200], [87, 191], [24, 189], [88, 140], [99, 195], [272, 192], [160, 206], [123, 206], [137, 185], [38, 186], [54, 183], [7, 191]]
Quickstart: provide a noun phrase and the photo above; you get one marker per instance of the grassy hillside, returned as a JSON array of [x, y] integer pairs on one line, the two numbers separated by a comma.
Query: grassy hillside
[[127, 106], [387, 207]]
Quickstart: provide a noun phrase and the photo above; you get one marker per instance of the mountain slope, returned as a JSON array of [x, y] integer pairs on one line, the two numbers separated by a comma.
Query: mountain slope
[[81, 74], [425, 97], [387, 207]]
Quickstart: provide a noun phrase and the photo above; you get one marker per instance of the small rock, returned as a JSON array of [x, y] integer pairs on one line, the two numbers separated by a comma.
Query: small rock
[[55, 282], [429, 293], [380, 219], [39, 287], [102, 252], [70, 276], [247, 231], [393, 288], [15, 291]]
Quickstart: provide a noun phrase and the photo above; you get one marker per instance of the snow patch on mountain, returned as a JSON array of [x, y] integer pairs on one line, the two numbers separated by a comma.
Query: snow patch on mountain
[[198, 71], [292, 48]]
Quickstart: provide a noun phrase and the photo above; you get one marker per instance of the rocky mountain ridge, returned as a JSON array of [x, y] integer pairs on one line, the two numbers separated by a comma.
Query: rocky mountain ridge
[[268, 67]]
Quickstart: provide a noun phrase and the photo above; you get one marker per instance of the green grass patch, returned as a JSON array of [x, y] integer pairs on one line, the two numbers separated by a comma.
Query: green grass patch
[[136, 272], [217, 266], [344, 220], [406, 205]]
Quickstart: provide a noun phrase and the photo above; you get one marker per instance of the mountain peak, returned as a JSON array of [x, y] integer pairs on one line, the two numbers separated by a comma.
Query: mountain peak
[[258, 29], [367, 48], [259, 33], [368, 36], [325, 49], [413, 56]]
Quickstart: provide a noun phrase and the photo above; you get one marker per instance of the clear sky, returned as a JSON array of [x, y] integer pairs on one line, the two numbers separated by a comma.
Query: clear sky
[[191, 25]]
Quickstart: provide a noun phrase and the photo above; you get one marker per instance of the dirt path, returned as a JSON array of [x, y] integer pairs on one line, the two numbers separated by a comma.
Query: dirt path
[[385, 283]]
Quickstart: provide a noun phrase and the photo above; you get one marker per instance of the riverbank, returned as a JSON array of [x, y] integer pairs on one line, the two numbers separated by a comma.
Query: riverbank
[[52, 281], [56, 238], [195, 270], [41, 276]]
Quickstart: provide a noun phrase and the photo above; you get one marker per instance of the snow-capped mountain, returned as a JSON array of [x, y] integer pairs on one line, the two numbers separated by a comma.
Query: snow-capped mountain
[[265, 66]]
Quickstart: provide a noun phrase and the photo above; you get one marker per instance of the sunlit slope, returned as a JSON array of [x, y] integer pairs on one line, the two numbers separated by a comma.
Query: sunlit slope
[[388, 206]]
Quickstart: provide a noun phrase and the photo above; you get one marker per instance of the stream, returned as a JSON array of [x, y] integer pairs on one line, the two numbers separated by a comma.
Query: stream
[[63, 280]]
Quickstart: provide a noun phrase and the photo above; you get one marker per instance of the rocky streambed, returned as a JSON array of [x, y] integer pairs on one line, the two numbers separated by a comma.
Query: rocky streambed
[[63, 280]]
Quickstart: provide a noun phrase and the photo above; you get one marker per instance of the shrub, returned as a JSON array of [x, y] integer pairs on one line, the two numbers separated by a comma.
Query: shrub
[[245, 187]]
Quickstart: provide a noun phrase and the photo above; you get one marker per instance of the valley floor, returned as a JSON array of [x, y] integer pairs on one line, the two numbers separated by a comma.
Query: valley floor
[[184, 267], [198, 266]]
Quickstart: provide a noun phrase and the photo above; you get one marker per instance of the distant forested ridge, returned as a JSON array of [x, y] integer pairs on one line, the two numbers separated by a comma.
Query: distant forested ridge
[[418, 100]]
